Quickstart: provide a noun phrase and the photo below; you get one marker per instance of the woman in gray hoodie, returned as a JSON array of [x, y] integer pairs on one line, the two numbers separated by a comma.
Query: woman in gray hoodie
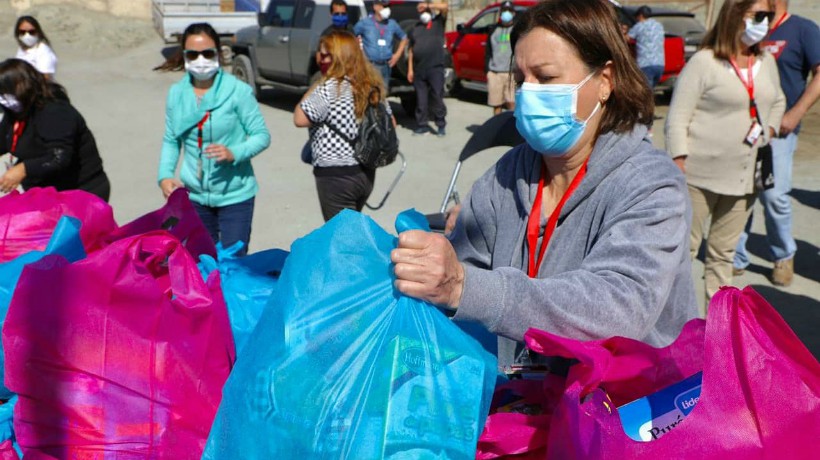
[[582, 231]]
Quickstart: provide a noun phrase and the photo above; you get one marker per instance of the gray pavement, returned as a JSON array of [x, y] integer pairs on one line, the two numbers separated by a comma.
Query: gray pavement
[[123, 102]]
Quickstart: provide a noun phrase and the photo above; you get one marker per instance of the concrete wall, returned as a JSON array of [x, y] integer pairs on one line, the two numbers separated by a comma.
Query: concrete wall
[[125, 8]]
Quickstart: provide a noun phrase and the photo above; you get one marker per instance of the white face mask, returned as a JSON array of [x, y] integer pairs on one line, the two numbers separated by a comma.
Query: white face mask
[[385, 13], [10, 102], [426, 17], [755, 31], [30, 40], [201, 68]]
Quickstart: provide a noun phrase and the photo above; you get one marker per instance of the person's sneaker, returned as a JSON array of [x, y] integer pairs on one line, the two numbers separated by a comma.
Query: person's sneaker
[[738, 271], [441, 132], [421, 130], [783, 272]]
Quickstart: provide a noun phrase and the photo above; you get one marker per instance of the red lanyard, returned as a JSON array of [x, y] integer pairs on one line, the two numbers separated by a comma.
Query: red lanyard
[[378, 27], [749, 83], [17, 131], [778, 22], [534, 221], [199, 127]]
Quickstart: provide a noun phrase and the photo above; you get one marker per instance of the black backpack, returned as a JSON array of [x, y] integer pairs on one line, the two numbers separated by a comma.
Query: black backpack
[[376, 144]]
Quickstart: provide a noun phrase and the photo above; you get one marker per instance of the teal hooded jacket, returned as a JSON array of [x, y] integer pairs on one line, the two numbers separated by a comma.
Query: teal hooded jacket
[[233, 120]]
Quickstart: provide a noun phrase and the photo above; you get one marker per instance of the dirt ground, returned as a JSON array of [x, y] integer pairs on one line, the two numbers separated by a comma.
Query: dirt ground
[[105, 63]]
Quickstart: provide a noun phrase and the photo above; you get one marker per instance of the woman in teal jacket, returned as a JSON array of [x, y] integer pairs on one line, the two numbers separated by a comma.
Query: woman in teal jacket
[[215, 121]]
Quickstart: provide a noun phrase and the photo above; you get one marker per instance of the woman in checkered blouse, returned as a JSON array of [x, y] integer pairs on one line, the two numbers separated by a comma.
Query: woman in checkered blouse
[[332, 110]]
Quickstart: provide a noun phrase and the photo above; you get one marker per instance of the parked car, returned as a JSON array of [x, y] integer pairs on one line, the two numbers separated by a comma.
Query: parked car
[[467, 46], [676, 23], [280, 50], [171, 17]]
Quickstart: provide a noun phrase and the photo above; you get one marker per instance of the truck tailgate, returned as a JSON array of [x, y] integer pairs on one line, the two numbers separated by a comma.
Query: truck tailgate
[[171, 17]]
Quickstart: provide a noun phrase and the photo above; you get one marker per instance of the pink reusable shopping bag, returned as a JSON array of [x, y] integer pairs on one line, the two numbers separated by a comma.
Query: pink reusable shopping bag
[[27, 220], [120, 355], [7, 451], [760, 396], [178, 217]]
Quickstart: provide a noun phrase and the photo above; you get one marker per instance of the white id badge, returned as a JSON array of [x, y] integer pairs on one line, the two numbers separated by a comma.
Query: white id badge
[[754, 133], [382, 42]]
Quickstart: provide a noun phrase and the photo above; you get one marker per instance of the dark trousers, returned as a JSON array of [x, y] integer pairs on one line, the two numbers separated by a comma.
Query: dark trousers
[[429, 84], [343, 188], [228, 224]]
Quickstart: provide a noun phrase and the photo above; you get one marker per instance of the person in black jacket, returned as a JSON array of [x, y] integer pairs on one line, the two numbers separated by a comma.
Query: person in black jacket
[[47, 138], [425, 66]]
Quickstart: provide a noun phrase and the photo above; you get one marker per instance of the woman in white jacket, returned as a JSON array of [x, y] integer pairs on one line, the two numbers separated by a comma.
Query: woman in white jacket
[[34, 46]]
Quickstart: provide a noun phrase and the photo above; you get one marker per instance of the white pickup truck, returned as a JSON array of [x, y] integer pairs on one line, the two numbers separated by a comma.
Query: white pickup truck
[[171, 17]]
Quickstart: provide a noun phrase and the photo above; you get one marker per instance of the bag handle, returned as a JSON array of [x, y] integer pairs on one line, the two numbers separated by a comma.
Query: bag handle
[[169, 263], [625, 366]]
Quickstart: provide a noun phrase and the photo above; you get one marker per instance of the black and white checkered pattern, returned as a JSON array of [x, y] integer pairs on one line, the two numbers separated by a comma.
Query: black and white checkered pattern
[[332, 103]]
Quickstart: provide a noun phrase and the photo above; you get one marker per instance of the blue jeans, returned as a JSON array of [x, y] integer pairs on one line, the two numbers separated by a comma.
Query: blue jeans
[[228, 224], [653, 74], [777, 207], [385, 70]]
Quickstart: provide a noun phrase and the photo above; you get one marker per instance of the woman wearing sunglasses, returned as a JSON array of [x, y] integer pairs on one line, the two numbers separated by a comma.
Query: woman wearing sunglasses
[[48, 142], [727, 104], [213, 120], [34, 46]]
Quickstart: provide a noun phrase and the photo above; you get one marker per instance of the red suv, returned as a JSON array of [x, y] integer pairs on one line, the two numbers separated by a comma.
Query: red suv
[[468, 42]]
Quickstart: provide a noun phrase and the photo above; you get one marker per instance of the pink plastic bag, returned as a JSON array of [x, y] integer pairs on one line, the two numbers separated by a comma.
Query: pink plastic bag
[[178, 217], [7, 451], [760, 396], [125, 353], [27, 220]]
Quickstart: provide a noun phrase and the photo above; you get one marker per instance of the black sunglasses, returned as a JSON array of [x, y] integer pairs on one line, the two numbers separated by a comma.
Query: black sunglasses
[[761, 15], [22, 32], [193, 55], [340, 14]]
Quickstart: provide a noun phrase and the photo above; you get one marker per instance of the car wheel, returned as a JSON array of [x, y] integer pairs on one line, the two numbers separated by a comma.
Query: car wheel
[[408, 103], [243, 70]]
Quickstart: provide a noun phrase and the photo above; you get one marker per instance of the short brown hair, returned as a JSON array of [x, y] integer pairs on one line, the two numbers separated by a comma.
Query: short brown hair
[[724, 37], [592, 28]]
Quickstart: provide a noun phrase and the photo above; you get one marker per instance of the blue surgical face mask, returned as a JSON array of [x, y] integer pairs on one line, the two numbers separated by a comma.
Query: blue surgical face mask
[[339, 20], [545, 115], [506, 17]]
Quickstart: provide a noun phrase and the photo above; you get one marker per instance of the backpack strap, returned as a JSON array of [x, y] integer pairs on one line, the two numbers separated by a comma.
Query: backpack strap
[[339, 133]]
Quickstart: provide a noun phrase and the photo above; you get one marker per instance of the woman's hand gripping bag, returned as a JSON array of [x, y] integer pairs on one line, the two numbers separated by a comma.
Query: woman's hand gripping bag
[[753, 393], [65, 241], [178, 217], [247, 284], [120, 355], [28, 219], [342, 366]]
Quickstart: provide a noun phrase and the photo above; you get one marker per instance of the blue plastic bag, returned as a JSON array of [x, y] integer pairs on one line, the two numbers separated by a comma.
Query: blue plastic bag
[[247, 284], [65, 241], [7, 430], [342, 366]]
